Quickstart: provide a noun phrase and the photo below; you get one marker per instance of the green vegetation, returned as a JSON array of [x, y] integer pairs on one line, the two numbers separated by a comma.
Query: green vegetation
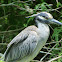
[[13, 19], [1, 61]]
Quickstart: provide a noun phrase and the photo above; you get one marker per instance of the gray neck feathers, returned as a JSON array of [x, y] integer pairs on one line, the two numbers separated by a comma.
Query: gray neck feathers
[[42, 26]]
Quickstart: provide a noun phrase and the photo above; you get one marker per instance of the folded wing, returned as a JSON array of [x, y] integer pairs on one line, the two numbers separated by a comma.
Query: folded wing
[[21, 46]]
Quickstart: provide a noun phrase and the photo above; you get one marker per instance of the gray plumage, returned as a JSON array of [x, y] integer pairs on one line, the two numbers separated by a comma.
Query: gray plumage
[[18, 47], [27, 44]]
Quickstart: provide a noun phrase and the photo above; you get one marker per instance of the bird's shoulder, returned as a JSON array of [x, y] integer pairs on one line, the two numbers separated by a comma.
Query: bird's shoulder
[[30, 30]]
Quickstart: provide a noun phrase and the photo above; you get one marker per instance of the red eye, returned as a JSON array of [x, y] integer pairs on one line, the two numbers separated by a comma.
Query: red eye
[[46, 17]]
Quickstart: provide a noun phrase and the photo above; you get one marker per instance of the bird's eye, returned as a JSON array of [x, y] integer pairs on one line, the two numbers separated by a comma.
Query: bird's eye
[[45, 17]]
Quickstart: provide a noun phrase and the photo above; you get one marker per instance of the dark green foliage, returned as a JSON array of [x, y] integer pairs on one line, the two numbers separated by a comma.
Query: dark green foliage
[[13, 19]]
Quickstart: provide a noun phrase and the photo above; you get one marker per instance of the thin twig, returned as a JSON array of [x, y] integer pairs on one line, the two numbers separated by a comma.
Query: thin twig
[[18, 7], [4, 16], [12, 4], [50, 9], [54, 59], [53, 48], [44, 52], [11, 30], [54, 42], [36, 61], [58, 12], [57, 1], [51, 27], [3, 44], [2, 38], [45, 9], [55, 9], [47, 53]]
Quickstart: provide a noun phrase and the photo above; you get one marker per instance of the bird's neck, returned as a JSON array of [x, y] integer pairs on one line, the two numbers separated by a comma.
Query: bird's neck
[[44, 32], [42, 26]]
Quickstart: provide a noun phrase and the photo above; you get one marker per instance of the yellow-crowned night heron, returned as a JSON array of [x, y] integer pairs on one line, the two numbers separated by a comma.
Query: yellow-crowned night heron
[[27, 44]]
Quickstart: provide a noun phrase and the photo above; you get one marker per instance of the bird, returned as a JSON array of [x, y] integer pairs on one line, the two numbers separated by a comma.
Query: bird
[[27, 44]]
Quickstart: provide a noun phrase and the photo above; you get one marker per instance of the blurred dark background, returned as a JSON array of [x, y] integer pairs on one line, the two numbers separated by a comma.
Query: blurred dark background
[[13, 19]]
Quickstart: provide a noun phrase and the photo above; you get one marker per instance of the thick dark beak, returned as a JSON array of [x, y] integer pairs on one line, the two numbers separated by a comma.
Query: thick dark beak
[[53, 21]]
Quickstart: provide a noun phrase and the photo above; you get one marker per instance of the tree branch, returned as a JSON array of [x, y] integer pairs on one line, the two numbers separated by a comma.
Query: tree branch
[[11, 30], [47, 53], [54, 59]]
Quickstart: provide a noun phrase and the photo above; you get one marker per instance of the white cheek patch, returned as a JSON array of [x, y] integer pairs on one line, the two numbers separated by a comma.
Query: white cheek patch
[[50, 16]]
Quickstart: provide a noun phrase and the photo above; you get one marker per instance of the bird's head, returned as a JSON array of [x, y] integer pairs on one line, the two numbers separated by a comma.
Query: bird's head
[[46, 17]]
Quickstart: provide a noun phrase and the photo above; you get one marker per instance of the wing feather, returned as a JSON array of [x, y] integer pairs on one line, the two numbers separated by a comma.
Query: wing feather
[[22, 46]]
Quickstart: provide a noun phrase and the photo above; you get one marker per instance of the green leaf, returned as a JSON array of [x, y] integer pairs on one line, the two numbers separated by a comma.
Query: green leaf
[[37, 6], [2, 61], [6, 21], [2, 1], [0, 25], [59, 4], [56, 33], [25, 25]]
